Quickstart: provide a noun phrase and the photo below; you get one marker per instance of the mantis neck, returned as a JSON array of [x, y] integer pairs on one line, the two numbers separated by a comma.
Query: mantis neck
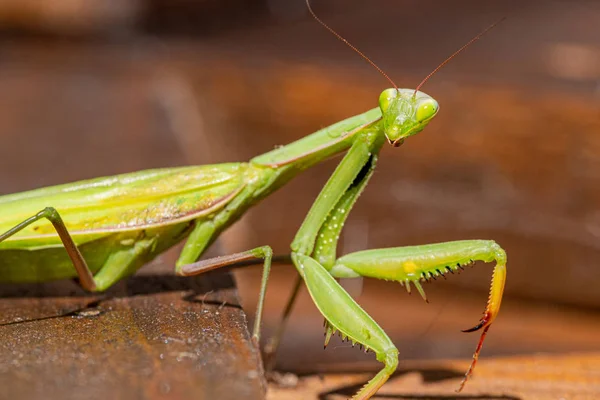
[[288, 161], [319, 146]]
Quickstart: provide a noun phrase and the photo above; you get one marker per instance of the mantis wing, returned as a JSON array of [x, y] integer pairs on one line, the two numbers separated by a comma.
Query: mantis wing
[[134, 201]]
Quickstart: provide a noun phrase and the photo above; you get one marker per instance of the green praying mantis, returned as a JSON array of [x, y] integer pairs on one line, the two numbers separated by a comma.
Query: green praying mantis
[[111, 226]]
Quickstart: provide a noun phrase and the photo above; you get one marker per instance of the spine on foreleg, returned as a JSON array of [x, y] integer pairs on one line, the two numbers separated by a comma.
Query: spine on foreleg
[[414, 264]]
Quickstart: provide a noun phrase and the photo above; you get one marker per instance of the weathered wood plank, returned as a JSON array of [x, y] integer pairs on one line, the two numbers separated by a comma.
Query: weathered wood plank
[[149, 337], [539, 377]]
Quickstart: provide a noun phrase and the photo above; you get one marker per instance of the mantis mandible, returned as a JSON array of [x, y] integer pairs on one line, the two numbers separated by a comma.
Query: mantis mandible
[[111, 226]]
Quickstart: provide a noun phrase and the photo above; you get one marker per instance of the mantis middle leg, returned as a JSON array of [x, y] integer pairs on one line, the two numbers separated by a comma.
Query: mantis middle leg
[[197, 242], [86, 278]]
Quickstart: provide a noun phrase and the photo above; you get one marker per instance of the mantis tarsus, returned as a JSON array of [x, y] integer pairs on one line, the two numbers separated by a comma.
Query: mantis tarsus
[[111, 226]]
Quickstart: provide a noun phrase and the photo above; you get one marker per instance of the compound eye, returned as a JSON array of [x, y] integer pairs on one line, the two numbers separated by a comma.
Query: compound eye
[[386, 98], [427, 109]]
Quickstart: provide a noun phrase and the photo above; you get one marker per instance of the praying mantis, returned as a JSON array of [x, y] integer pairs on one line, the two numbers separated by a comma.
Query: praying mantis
[[102, 230]]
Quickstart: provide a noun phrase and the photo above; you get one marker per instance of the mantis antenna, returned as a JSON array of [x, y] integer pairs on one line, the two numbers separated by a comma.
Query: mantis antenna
[[447, 60], [360, 53], [367, 59]]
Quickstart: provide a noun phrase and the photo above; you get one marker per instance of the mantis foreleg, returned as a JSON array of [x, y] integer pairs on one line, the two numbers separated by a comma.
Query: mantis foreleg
[[325, 248], [313, 253], [346, 172], [413, 264], [319, 230], [328, 235], [343, 314]]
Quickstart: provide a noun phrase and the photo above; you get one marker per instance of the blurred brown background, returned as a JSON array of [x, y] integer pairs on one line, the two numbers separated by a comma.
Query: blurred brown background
[[91, 88]]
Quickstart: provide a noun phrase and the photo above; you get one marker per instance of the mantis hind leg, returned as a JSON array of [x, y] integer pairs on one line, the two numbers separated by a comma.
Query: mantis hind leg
[[86, 278], [118, 265]]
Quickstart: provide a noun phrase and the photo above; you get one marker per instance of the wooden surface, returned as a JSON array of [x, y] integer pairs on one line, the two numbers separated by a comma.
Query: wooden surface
[[151, 337], [537, 377]]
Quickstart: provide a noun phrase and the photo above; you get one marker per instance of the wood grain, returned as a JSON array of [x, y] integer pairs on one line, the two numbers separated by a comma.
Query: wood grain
[[148, 338], [538, 377]]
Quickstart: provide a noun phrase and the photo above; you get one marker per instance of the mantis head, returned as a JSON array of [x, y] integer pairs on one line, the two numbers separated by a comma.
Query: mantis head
[[405, 113]]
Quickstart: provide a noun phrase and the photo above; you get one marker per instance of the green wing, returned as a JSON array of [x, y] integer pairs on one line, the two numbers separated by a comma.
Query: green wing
[[131, 201]]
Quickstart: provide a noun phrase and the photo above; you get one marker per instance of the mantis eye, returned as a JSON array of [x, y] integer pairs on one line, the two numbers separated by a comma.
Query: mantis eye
[[386, 97], [427, 109]]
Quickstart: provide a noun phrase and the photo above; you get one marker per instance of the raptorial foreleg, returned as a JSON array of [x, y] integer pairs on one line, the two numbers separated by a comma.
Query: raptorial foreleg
[[415, 264]]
